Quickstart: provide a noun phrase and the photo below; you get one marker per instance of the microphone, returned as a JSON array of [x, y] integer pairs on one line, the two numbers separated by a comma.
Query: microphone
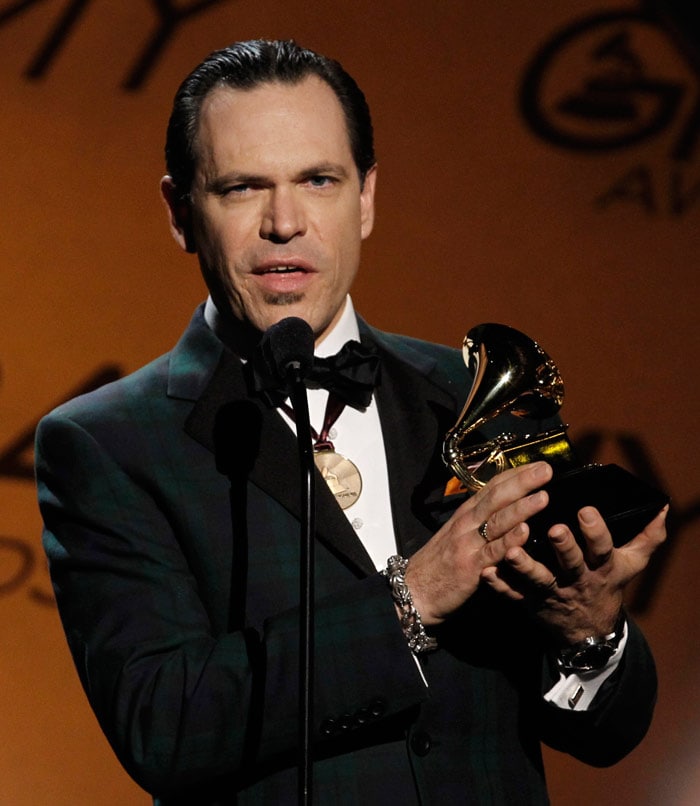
[[287, 349]]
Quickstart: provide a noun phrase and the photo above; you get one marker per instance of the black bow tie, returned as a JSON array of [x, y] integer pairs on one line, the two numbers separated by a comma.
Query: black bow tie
[[351, 375]]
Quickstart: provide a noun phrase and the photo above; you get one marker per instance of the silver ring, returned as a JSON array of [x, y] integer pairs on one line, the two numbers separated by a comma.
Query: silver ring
[[484, 531]]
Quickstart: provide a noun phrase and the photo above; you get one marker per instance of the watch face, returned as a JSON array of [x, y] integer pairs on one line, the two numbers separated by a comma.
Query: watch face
[[592, 653], [589, 658]]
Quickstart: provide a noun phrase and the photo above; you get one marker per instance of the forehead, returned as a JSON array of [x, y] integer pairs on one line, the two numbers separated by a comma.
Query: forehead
[[302, 121]]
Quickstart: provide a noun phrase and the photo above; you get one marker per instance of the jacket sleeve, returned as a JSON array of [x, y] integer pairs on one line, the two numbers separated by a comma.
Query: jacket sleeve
[[619, 716], [179, 701]]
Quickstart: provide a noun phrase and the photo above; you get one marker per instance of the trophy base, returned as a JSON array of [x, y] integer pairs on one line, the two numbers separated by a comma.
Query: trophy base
[[626, 503]]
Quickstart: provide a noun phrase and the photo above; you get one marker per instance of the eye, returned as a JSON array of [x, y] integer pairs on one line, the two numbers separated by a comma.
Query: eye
[[236, 190], [321, 181]]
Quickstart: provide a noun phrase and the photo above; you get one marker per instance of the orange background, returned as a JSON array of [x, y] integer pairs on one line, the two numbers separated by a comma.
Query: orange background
[[479, 219]]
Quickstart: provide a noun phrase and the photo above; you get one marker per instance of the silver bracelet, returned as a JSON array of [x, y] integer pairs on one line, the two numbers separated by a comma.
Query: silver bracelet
[[418, 640]]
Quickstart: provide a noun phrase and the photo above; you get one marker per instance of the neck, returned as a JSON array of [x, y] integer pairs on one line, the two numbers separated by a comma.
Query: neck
[[242, 338]]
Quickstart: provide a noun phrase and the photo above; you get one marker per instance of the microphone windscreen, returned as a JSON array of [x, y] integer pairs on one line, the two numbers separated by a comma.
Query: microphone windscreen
[[288, 343]]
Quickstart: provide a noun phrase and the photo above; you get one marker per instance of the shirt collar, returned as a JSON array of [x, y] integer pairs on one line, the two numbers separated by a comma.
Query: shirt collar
[[344, 330]]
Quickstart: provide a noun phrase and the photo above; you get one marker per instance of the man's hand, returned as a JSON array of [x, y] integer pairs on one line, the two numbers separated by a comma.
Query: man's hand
[[585, 597], [448, 569]]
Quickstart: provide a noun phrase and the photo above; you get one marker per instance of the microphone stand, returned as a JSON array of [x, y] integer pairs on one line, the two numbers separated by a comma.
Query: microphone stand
[[300, 405]]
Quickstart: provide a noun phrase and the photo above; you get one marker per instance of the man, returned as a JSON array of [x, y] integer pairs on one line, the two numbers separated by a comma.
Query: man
[[171, 503]]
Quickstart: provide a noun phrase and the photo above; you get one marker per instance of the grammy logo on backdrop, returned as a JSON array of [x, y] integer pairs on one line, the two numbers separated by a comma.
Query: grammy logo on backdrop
[[513, 375]]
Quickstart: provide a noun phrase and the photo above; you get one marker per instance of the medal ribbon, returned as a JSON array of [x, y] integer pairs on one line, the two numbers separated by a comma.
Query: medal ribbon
[[334, 408]]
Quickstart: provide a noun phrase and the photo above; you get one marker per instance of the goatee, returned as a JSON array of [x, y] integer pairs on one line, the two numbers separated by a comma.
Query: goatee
[[289, 298]]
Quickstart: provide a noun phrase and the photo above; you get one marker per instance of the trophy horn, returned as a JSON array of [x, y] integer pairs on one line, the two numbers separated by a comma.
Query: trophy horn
[[512, 374]]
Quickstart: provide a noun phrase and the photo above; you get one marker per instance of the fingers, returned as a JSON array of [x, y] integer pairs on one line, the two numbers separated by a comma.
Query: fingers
[[570, 557], [483, 542], [521, 577], [638, 551], [584, 593], [446, 571], [499, 584], [574, 560], [525, 578], [598, 541], [495, 549], [508, 500], [653, 534], [505, 504]]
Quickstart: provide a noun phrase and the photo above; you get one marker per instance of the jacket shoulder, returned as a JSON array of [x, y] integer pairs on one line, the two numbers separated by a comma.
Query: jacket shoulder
[[180, 373], [448, 357], [125, 393]]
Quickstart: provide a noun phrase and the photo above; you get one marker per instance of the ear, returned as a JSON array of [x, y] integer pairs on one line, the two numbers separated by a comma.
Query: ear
[[179, 215], [367, 202]]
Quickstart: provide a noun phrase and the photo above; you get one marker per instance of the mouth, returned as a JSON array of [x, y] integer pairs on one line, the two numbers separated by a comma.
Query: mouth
[[292, 267], [281, 270], [284, 277]]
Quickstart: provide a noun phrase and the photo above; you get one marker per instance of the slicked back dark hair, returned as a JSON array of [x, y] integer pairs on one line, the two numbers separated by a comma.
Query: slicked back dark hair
[[245, 65]]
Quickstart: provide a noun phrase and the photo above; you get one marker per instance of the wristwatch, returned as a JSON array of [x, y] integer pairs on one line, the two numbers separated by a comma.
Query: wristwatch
[[593, 652]]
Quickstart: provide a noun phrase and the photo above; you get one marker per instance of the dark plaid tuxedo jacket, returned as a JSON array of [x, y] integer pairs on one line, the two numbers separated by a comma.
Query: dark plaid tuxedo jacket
[[171, 506]]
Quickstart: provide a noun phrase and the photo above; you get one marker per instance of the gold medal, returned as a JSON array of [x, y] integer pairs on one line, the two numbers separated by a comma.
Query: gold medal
[[341, 475]]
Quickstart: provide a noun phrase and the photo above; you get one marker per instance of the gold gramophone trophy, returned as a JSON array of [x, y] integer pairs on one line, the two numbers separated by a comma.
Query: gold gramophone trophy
[[513, 375]]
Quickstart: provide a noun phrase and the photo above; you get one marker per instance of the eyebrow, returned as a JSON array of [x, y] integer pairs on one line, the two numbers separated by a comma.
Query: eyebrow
[[337, 169], [219, 183]]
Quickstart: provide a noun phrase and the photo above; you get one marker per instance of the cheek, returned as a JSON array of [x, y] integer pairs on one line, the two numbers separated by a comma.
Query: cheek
[[348, 258], [220, 250]]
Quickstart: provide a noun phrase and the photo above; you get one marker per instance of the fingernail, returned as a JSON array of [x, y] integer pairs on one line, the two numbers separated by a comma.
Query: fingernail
[[541, 472], [587, 515]]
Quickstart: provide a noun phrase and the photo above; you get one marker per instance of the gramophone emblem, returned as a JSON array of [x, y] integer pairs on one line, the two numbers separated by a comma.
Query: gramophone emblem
[[513, 375]]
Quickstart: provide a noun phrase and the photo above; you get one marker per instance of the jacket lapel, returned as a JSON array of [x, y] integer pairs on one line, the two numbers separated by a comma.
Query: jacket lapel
[[417, 404]]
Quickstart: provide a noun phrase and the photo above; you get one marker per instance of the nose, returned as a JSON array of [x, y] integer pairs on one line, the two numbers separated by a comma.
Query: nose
[[283, 217]]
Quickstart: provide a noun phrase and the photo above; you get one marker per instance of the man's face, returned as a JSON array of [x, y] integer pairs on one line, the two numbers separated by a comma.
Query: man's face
[[277, 212]]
